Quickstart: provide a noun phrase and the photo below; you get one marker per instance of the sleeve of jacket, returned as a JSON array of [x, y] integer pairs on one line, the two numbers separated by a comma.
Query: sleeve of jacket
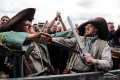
[[15, 39], [68, 42]]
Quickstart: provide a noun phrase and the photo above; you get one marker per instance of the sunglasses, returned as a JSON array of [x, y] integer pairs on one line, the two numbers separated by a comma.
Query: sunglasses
[[88, 26], [27, 23]]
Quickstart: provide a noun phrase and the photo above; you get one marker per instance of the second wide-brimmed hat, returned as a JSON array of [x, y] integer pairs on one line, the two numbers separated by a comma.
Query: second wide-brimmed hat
[[100, 23], [15, 22]]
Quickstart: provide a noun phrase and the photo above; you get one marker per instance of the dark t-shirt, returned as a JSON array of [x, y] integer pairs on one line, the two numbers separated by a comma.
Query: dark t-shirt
[[117, 34], [114, 38], [52, 32]]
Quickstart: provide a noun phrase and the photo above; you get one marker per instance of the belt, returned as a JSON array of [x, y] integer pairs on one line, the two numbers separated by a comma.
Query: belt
[[77, 71]]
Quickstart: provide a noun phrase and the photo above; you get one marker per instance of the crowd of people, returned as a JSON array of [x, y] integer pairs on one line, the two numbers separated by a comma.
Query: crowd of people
[[27, 50]]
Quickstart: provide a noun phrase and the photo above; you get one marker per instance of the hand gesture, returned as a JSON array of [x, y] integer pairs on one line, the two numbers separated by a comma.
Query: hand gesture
[[60, 18], [57, 14], [44, 39], [76, 25]]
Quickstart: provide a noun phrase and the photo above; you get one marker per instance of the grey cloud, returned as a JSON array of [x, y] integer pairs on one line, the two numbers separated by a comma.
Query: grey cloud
[[8, 11], [86, 3], [87, 16]]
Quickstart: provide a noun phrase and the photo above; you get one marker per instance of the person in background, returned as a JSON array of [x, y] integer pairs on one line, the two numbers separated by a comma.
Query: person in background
[[4, 19], [52, 27], [36, 28], [44, 28], [118, 25], [59, 29], [113, 41]]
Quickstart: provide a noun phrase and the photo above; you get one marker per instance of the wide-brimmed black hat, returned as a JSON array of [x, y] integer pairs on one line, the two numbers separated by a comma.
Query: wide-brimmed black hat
[[15, 22], [99, 23]]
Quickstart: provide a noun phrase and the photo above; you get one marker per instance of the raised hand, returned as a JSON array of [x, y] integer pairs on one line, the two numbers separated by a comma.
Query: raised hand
[[57, 15], [60, 18]]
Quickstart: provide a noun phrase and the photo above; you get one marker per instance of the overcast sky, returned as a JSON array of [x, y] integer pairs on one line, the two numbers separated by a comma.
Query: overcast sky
[[78, 10]]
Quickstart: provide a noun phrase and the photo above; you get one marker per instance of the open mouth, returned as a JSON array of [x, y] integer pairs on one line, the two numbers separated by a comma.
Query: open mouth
[[87, 30]]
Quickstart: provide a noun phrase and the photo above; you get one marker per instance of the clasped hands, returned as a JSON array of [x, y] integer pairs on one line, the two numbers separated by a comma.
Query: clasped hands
[[43, 37]]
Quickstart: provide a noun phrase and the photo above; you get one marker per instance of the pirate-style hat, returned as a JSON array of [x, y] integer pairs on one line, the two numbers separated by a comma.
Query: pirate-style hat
[[100, 23], [14, 22]]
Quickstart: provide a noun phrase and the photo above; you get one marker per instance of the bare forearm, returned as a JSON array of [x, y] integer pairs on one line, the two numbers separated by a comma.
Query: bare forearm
[[50, 25], [30, 37], [38, 38], [63, 25]]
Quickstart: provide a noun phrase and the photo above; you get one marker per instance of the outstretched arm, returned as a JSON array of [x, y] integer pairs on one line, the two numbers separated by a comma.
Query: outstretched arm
[[41, 39], [17, 39]]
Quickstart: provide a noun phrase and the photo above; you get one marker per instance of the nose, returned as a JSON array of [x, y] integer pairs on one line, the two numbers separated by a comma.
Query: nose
[[29, 25], [5, 21], [86, 27], [113, 28]]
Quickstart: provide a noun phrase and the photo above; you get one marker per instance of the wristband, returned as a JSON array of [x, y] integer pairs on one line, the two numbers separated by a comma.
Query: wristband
[[55, 18]]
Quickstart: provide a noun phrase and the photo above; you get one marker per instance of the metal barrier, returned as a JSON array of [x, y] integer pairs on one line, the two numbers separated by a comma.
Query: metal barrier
[[111, 75]]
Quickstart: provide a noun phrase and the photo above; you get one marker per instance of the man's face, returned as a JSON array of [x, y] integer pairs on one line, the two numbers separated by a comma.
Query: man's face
[[118, 26], [90, 30], [35, 27], [54, 27], [25, 26], [59, 29], [111, 28], [4, 20]]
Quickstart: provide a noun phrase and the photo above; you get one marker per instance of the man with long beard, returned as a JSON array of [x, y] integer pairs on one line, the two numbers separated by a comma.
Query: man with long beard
[[113, 41]]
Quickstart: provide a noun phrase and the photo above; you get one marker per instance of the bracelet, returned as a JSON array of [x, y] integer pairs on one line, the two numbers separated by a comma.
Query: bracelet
[[55, 18]]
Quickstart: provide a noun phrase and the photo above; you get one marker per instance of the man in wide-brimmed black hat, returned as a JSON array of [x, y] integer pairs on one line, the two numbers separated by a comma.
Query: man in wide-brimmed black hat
[[93, 35], [13, 45]]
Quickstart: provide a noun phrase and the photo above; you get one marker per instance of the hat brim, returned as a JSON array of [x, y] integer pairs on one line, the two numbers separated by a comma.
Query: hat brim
[[12, 24]]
